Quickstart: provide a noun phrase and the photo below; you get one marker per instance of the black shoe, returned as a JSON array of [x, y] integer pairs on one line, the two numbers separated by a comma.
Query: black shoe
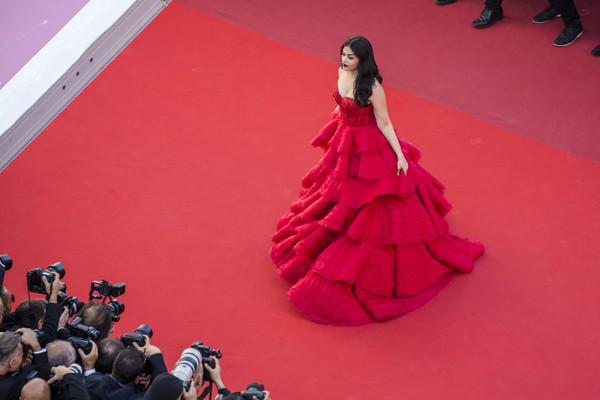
[[444, 2], [488, 17], [546, 15], [596, 51], [567, 36]]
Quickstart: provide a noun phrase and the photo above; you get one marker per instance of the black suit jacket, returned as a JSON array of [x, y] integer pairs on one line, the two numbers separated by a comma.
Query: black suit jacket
[[49, 326], [11, 385], [73, 387], [105, 387]]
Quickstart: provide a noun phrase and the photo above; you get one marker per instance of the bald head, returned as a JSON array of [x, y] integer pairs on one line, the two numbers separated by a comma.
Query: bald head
[[36, 389], [6, 297], [108, 349], [60, 352]]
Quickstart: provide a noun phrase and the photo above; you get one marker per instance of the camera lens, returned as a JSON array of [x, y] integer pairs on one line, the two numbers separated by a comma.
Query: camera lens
[[76, 368], [144, 330], [59, 268], [5, 261], [187, 364]]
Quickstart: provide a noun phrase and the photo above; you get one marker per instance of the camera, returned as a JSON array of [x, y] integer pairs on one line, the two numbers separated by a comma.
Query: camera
[[191, 359], [71, 303], [81, 343], [79, 330], [76, 368], [128, 339], [42, 337], [82, 335], [5, 265], [106, 289], [253, 390], [5, 262], [35, 283], [116, 308]]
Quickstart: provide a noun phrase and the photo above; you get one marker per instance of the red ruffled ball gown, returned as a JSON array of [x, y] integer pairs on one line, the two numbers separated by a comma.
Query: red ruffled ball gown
[[362, 244]]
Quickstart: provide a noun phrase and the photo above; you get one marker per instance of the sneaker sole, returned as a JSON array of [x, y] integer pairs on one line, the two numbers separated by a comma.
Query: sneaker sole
[[547, 20], [566, 44]]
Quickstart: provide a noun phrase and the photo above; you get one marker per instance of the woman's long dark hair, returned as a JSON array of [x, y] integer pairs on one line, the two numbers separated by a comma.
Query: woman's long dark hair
[[367, 68]]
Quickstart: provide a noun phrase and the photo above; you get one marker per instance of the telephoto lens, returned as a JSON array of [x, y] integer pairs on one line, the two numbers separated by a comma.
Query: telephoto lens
[[76, 368], [186, 365]]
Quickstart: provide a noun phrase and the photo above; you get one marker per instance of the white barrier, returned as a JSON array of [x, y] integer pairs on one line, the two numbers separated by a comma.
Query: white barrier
[[64, 67]]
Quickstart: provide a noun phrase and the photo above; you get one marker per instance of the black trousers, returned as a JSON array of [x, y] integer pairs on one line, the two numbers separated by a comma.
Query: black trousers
[[491, 4], [566, 8], [567, 11]]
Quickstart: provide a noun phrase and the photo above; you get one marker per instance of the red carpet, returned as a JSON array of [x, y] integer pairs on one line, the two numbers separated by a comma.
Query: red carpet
[[169, 171], [510, 75]]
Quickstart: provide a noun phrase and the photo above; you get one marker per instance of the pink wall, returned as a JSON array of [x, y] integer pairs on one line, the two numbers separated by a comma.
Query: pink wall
[[26, 26]]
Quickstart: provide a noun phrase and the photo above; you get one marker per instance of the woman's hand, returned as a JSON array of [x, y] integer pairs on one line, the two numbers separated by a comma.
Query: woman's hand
[[402, 164]]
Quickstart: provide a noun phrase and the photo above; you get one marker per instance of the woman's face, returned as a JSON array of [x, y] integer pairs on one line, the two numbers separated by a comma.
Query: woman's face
[[349, 59]]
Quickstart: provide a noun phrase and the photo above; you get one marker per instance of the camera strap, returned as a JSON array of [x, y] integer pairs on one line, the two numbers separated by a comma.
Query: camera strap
[[207, 391]]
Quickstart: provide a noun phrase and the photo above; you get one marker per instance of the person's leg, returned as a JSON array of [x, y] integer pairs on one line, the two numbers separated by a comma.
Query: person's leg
[[493, 4], [491, 14], [570, 17], [568, 12], [546, 15]]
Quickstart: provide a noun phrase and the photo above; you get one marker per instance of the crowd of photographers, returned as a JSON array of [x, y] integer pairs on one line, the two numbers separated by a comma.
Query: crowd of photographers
[[59, 348]]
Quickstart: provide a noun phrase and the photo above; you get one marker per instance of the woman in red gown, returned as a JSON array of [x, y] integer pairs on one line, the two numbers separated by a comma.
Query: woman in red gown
[[367, 239]]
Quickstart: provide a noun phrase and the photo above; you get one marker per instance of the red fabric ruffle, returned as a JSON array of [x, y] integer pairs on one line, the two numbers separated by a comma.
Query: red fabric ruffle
[[361, 243]]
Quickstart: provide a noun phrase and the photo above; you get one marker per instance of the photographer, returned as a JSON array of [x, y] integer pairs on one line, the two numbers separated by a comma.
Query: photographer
[[98, 316], [36, 389], [15, 366], [29, 314], [39, 314], [61, 352], [215, 376], [72, 383], [7, 299], [108, 350], [128, 371]]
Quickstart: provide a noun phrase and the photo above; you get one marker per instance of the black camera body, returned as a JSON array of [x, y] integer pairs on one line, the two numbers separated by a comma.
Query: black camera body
[[81, 343], [249, 394], [107, 289], [129, 338], [5, 265], [253, 390], [71, 303], [206, 353], [116, 308], [5, 262], [35, 283], [42, 337], [79, 330], [191, 359], [81, 335]]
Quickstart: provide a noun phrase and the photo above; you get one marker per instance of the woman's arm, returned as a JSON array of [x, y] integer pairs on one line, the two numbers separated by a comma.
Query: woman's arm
[[384, 124]]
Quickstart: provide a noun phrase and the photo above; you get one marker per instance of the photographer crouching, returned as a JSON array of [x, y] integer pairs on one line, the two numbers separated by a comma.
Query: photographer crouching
[[133, 372]]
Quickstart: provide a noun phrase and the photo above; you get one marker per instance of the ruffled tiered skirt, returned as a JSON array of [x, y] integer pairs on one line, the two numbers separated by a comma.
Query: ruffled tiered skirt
[[362, 244]]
